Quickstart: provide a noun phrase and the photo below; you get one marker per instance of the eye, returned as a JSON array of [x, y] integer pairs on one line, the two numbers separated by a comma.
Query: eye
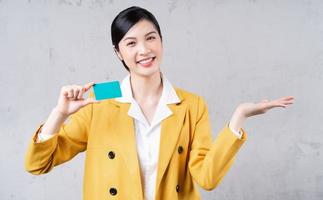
[[131, 43], [151, 38]]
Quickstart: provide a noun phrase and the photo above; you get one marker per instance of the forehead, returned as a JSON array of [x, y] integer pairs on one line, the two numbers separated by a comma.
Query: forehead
[[140, 29]]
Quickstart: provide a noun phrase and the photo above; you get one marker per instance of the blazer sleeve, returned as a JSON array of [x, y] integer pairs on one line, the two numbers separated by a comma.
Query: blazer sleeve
[[210, 161], [71, 139]]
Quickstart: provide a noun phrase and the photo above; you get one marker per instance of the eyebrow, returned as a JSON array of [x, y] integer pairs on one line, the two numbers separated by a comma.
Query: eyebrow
[[127, 38]]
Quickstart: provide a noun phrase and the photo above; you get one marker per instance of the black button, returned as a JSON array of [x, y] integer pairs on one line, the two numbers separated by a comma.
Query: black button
[[177, 188], [113, 191], [180, 149], [111, 155]]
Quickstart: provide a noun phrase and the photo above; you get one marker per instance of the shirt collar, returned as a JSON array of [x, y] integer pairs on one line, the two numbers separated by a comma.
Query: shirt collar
[[168, 96]]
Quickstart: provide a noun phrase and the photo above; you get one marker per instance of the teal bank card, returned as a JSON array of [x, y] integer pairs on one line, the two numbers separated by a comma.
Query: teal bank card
[[107, 90]]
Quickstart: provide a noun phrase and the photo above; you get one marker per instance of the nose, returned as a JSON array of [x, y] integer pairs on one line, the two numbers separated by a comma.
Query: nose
[[143, 49]]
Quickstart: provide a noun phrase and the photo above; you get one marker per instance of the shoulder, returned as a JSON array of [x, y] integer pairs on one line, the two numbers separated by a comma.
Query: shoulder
[[190, 98], [185, 94]]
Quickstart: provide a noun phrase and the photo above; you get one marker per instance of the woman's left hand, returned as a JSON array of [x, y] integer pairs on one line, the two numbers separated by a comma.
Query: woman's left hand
[[246, 110], [251, 109]]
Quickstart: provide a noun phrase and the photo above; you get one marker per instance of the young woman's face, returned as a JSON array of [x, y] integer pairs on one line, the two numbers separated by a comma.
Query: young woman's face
[[141, 49]]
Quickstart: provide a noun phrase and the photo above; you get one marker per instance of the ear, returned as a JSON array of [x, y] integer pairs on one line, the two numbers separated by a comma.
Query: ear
[[118, 53]]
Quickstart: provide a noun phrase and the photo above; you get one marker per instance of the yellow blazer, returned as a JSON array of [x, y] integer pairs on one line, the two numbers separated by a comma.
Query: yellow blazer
[[106, 132]]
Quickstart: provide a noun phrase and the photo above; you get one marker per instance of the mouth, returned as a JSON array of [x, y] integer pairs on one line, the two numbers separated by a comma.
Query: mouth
[[147, 62]]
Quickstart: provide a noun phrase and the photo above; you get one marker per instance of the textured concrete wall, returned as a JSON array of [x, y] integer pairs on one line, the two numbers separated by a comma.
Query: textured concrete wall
[[227, 51]]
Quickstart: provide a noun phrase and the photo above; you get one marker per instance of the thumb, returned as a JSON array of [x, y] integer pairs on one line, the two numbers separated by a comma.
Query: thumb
[[90, 100]]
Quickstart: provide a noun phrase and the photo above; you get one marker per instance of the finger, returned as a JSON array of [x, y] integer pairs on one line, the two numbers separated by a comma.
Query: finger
[[282, 105], [287, 98], [278, 103], [283, 99], [65, 93], [278, 106], [70, 93], [76, 93], [89, 85], [81, 92], [274, 104], [90, 100], [288, 102], [80, 96]]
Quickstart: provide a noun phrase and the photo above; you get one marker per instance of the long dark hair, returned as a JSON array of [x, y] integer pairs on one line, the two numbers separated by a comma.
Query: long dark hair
[[125, 20]]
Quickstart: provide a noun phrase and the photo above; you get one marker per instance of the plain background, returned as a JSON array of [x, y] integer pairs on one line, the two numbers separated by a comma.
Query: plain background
[[227, 51]]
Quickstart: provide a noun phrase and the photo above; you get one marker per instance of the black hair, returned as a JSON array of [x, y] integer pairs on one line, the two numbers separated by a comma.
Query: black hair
[[125, 20]]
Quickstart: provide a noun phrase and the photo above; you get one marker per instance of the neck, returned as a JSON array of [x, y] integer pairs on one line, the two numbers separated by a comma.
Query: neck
[[146, 88]]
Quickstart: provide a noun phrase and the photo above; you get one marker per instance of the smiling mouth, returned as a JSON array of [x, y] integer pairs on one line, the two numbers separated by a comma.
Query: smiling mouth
[[146, 60]]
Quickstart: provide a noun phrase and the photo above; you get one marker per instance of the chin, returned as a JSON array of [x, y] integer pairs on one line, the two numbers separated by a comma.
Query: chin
[[147, 72]]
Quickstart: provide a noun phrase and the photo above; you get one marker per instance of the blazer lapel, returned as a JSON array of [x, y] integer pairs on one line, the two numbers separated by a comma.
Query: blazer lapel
[[127, 141], [170, 131]]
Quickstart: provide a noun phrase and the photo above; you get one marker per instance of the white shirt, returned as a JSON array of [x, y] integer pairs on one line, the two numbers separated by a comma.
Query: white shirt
[[147, 135]]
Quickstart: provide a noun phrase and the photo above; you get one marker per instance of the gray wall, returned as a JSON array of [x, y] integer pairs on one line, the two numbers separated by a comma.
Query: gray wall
[[224, 50]]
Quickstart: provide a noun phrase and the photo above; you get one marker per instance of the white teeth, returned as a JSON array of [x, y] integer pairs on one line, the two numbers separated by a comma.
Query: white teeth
[[146, 61]]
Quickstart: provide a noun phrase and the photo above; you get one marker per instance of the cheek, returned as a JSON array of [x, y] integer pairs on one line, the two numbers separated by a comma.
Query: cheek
[[158, 48], [128, 56]]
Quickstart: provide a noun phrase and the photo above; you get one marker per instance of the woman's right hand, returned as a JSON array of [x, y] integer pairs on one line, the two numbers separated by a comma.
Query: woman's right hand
[[71, 99]]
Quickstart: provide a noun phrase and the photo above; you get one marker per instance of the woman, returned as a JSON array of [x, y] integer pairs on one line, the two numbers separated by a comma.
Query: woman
[[154, 142]]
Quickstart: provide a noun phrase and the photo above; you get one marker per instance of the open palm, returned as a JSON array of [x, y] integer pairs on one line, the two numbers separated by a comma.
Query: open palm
[[251, 109]]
